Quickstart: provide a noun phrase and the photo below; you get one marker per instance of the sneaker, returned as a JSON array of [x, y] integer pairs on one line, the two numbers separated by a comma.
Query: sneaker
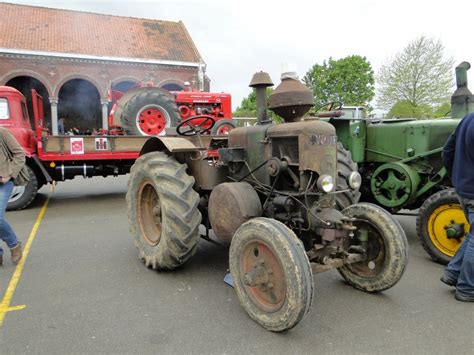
[[16, 253], [448, 280], [463, 298]]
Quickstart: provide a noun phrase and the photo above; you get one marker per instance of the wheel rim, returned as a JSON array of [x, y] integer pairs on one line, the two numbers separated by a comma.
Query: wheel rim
[[441, 218], [263, 276], [149, 213], [152, 120], [376, 252], [17, 193], [224, 129]]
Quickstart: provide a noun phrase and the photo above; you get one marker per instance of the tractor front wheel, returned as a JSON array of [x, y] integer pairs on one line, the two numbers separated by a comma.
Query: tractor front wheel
[[441, 225], [223, 127], [163, 211], [386, 248], [271, 272]]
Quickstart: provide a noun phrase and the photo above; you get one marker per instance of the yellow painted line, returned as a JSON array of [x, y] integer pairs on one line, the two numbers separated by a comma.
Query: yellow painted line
[[5, 305]]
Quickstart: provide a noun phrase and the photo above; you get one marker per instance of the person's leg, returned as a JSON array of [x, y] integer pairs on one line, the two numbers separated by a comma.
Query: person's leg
[[465, 285], [6, 232]]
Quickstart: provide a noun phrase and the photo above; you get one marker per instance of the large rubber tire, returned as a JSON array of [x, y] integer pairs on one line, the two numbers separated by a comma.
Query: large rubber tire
[[437, 211], [223, 126], [163, 211], [387, 250], [345, 166], [286, 296], [23, 196], [156, 100]]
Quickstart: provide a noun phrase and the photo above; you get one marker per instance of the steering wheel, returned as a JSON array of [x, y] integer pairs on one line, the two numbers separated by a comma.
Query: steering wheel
[[331, 105], [195, 129]]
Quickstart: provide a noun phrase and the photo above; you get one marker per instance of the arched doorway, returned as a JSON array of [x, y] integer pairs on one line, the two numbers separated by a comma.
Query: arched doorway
[[172, 87], [124, 86], [79, 103], [24, 84]]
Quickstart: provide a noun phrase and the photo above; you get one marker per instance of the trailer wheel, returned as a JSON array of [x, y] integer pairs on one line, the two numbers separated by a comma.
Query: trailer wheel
[[387, 250], [345, 166], [23, 196], [162, 211], [441, 225], [223, 127], [148, 113], [272, 274]]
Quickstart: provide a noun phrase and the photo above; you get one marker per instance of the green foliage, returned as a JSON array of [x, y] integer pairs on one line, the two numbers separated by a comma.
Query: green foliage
[[248, 107], [406, 109], [349, 80], [444, 110], [419, 75]]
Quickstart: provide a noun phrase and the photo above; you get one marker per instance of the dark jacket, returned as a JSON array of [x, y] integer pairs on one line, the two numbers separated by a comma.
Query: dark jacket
[[11, 168], [458, 157]]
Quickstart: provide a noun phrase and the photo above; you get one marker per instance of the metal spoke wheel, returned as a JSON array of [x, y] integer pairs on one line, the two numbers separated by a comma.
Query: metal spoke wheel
[[386, 249], [441, 225], [271, 272]]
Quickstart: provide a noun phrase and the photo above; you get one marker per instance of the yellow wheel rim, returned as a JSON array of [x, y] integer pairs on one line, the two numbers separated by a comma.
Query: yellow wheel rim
[[443, 216]]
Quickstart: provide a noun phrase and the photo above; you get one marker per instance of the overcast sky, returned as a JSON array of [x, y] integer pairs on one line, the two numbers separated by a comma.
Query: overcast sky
[[238, 38]]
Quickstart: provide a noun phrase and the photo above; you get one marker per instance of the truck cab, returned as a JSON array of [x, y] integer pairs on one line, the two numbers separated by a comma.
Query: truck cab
[[14, 117]]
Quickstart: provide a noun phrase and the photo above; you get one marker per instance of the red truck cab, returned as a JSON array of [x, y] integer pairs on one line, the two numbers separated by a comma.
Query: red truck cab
[[14, 117]]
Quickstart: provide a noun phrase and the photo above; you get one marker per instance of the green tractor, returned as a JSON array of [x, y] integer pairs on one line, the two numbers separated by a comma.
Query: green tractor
[[400, 161]]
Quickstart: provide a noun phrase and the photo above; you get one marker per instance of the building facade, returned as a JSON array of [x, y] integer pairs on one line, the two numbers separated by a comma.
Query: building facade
[[73, 59]]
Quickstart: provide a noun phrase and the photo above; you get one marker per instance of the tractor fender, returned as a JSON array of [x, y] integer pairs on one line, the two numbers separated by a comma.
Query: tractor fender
[[169, 145]]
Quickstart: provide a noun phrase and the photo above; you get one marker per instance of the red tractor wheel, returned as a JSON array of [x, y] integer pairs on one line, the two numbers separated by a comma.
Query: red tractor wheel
[[149, 113], [223, 127]]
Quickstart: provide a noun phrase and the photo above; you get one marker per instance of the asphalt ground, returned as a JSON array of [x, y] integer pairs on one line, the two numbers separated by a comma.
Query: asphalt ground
[[82, 289]]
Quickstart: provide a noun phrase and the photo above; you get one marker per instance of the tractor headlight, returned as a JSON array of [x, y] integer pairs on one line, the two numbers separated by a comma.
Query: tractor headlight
[[354, 180], [325, 183]]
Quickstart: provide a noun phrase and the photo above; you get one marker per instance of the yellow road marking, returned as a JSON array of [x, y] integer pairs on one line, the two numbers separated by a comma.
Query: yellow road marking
[[5, 305]]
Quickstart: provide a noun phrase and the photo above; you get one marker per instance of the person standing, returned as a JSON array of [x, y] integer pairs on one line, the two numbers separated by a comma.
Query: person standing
[[9, 169], [458, 158], [62, 126]]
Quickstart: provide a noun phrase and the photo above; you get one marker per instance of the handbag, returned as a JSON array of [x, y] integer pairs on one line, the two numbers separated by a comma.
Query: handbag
[[23, 176]]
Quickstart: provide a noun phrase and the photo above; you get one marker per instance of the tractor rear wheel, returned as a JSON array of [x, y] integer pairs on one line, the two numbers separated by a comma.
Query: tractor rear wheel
[[148, 113], [23, 196], [272, 274], [441, 225], [345, 166], [163, 211], [387, 250]]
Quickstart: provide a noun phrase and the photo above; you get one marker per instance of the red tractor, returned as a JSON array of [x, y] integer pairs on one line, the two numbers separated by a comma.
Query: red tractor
[[148, 111]]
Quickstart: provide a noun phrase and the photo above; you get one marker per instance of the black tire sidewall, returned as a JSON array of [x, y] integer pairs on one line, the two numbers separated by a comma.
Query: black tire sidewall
[[220, 123]]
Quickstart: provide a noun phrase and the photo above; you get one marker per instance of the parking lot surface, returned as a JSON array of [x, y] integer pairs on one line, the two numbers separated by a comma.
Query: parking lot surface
[[83, 289]]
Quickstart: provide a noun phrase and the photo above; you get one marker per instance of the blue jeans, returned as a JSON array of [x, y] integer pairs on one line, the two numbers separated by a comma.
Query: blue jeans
[[6, 232], [461, 266]]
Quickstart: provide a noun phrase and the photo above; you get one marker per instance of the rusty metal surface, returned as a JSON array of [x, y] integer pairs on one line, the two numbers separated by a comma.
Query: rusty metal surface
[[261, 78], [207, 175], [291, 100], [231, 205]]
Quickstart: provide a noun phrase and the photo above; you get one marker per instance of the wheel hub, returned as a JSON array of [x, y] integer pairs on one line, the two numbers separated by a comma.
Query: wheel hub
[[152, 120], [263, 277], [447, 227], [149, 213]]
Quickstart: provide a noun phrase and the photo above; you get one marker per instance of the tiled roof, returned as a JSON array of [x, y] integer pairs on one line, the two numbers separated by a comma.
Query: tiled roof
[[32, 28]]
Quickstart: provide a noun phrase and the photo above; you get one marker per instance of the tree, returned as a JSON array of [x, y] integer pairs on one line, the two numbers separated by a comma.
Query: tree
[[349, 80], [418, 75], [248, 106], [405, 109]]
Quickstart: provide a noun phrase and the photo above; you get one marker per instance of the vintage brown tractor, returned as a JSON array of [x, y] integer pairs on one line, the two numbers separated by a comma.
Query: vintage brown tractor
[[271, 194]]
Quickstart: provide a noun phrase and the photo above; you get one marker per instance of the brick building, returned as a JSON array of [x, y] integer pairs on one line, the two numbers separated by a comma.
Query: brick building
[[72, 58]]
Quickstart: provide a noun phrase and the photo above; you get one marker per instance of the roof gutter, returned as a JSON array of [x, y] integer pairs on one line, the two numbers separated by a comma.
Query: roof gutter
[[94, 57]]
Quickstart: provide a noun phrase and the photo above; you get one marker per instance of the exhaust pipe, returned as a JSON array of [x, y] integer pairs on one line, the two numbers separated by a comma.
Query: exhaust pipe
[[462, 101], [260, 81]]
